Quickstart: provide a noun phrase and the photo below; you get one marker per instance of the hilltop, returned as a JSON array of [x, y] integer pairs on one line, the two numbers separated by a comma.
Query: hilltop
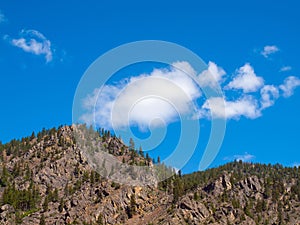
[[46, 179]]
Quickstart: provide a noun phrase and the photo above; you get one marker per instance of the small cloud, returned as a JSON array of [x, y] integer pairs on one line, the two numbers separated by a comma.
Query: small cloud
[[5, 37], [245, 106], [176, 169], [254, 98], [285, 68], [2, 17], [296, 164], [289, 85], [269, 50], [34, 42], [246, 80], [211, 77], [269, 94], [245, 157]]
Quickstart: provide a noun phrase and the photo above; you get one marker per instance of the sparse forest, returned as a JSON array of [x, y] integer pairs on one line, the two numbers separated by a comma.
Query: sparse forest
[[44, 178]]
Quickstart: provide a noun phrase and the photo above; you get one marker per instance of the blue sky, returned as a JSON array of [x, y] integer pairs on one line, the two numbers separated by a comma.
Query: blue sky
[[39, 78]]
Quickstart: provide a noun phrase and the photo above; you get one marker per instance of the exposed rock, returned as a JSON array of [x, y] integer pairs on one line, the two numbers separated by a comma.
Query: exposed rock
[[219, 186], [71, 192]]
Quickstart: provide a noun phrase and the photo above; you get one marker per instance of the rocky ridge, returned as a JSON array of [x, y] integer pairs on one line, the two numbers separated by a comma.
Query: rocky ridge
[[45, 179]]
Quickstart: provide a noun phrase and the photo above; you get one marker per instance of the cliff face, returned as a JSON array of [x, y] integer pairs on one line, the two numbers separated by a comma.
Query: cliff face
[[46, 179], [243, 201]]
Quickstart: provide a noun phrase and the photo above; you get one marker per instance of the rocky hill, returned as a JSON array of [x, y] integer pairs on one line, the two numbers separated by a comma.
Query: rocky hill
[[48, 179]]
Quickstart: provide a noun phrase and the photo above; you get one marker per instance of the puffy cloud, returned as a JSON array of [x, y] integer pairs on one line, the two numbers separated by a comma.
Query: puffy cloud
[[289, 85], [163, 94], [34, 42], [269, 94], [246, 80], [246, 106], [249, 106], [285, 68], [211, 77], [295, 164], [185, 67], [2, 17], [269, 50], [160, 97], [245, 157]]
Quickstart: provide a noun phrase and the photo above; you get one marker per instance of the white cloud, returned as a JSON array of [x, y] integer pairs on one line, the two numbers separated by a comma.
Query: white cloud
[[289, 85], [248, 106], [246, 80], [269, 50], [34, 42], [295, 164], [285, 68], [245, 157], [245, 106], [2, 17], [163, 94], [269, 94], [211, 77], [185, 67]]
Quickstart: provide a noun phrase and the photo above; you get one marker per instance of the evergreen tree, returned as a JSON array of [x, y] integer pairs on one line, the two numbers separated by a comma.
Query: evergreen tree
[[61, 205], [32, 136], [100, 220], [45, 204], [42, 220], [158, 159], [131, 210], [178, 189], [131, 144], [141, 151]]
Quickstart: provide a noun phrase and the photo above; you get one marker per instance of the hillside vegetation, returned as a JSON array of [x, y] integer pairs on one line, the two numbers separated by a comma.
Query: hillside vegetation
[[46, 179]]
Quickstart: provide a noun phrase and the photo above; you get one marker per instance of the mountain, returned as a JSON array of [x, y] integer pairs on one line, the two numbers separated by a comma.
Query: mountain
[[47, 179]]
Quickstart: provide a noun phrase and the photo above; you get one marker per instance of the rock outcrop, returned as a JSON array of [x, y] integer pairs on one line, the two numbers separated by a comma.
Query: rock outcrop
[[47, 179]]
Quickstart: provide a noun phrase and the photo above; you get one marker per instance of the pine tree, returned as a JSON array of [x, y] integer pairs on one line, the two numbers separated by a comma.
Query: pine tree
[[99, 220], [132, 207], [178, 189], [158, 159], [61, 205], [148, 159], [4, 176], [32, 136], [42, 220], [55, 195], [92, 177], [141, 151], [131, 144], [45, 204]]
